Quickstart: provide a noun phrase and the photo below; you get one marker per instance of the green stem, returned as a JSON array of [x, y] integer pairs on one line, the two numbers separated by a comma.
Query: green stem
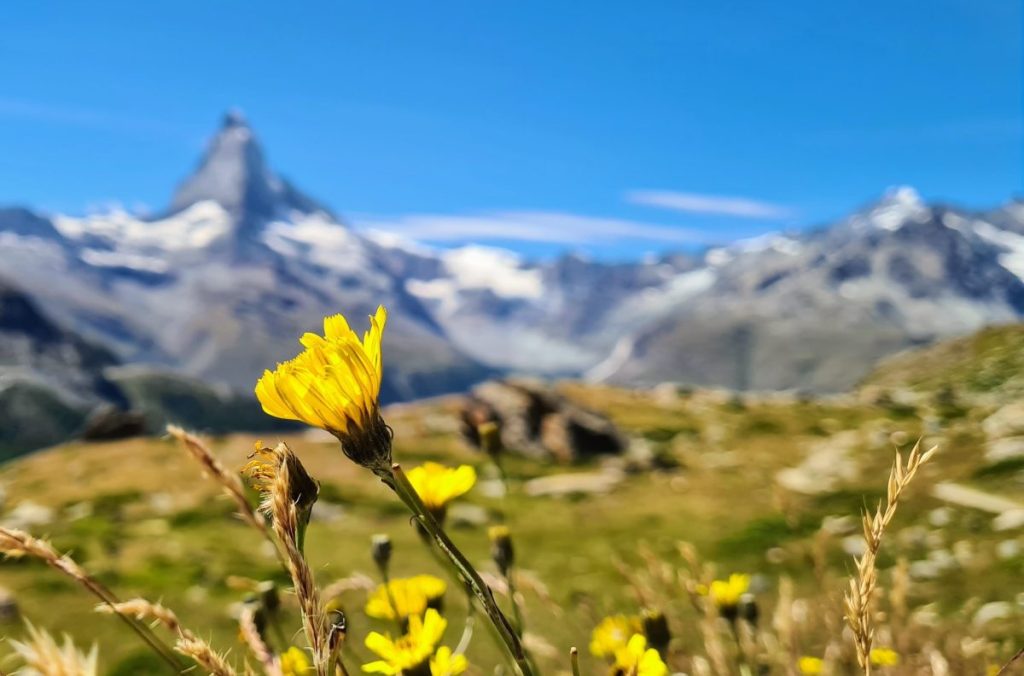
[[574, 658], [391, 599], [398, 482]]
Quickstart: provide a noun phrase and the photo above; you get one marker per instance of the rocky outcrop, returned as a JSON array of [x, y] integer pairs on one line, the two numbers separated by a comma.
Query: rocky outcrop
[[537, 421]]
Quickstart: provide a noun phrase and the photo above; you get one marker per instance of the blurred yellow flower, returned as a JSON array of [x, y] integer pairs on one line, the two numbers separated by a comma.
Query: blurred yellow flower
[[444, 663], [410, 596], [334, 384], [612, 634], [811, 666], [884, 657], [409, 651], [294, 662], [727, 593], [438, 485], [636, 659]]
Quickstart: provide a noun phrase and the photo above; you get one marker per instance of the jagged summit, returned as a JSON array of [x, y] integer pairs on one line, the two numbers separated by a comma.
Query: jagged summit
[[234, 173]]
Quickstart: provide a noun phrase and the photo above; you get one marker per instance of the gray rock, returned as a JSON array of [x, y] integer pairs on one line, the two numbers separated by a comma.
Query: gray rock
[[538, 422]]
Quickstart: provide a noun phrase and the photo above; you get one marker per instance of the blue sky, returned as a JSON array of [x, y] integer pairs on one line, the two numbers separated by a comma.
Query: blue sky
[[614, 128]]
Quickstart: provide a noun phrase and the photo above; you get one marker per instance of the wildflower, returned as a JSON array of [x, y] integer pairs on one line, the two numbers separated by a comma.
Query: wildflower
[[438, 485], [444, 663], [409, 654], [405, 597], [294, 662], [884, 657], [501, 548], [612, 634], [726, 594], [334, 384], [636, 659], [811, 666]]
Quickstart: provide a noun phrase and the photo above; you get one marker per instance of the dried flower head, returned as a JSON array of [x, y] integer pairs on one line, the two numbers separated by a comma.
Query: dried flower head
[[43, 656], [263, 469], [334, 384]]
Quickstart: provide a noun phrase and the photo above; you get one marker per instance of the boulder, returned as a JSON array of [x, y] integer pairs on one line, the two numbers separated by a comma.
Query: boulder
[[537, 421], [107, 423]]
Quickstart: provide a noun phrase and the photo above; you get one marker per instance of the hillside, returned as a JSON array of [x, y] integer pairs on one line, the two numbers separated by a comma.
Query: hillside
[[990, 362], [766, 485]]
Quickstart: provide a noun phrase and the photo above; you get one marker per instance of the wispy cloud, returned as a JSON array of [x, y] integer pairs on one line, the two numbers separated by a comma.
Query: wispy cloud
[[696, 203], [550, 227], [74, 116]]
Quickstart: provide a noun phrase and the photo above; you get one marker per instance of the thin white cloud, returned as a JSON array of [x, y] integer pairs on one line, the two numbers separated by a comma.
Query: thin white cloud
[[719, 205], [74, 116], [550, 227]]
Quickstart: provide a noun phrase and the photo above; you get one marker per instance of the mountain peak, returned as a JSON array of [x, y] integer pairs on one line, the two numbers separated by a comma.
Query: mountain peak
[[234, 173], [234, 117]]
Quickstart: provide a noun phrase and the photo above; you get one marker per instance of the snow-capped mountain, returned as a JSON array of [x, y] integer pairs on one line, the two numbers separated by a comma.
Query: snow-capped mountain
[[220, 285], [814, 311]]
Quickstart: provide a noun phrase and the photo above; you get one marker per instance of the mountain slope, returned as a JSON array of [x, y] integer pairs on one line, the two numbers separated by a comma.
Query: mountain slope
[[219, 285], [816, 311], [990, 362]]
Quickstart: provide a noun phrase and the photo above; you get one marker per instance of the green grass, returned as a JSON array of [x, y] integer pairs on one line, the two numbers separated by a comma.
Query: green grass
[[184, 548]]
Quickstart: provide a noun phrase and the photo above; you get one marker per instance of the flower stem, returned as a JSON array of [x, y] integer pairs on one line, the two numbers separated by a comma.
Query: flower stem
[[398, 482]]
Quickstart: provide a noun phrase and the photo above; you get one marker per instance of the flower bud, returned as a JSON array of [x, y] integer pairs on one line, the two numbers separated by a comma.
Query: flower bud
[[748, 609], [380, 548], [490, 437], [656, 630], [269, 599], [501, 548]]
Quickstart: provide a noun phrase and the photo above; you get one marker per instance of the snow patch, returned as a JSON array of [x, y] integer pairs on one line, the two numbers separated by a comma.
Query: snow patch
[[479, 267], [196, 227], [1013, 245], [117, 259], [898, 206], [607, 368]]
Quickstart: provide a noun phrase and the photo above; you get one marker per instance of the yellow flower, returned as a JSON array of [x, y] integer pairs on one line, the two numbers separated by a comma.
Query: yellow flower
[[295, 663], [811, 666], [334, 384], [727, 593], [409, 651], [410, 596], [612, 634], [444, 663], [636, 659], [438, 485], [884, 657]]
